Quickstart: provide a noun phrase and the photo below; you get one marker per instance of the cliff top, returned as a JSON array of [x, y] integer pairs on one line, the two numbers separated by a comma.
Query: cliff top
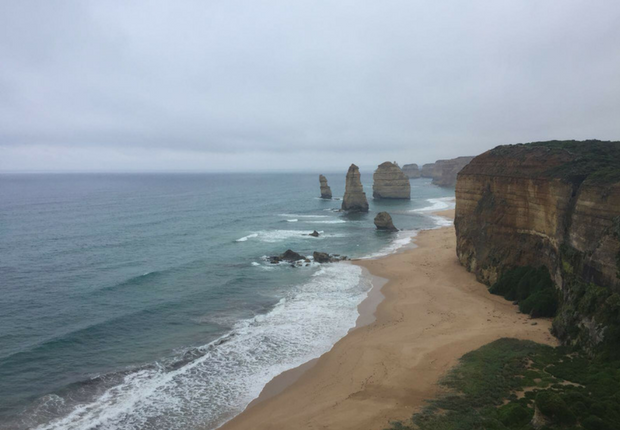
[[592, 160]]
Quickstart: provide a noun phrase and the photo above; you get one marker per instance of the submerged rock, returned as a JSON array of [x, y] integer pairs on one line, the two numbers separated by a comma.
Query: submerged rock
[[412, 171], [383, 221], [354, 197], [390, 182], [326, 192]]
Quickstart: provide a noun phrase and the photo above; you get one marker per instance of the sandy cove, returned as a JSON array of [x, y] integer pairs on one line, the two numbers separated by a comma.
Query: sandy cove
[[433, 313]]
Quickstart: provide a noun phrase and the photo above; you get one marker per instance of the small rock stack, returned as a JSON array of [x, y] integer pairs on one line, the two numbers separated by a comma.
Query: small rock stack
[[326, 192]]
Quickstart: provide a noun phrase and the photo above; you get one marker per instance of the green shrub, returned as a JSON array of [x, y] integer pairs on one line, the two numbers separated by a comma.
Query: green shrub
[[595, 423], [514, 415], [531, 287], [553, 407]]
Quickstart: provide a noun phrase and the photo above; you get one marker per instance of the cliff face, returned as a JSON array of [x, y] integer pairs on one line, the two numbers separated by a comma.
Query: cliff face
[[555, 204], [427, 170], [326, 191], [390, 182], [354, 196], [445, 171], [411, 170]]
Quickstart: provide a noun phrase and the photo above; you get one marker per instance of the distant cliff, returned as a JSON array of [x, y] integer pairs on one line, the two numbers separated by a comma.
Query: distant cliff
[[411, 170], [553, 204], [445, 171], [427, 170]]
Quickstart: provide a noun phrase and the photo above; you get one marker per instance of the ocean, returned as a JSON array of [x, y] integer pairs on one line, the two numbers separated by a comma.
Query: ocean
[[145, 301]]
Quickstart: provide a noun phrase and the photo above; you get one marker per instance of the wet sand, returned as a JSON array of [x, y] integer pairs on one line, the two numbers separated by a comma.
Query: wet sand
[[432, 313]]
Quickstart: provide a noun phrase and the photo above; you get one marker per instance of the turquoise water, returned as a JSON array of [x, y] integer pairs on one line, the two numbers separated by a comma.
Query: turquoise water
[[143, 301]]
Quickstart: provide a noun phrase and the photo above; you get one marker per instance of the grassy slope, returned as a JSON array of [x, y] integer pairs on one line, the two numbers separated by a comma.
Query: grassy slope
[[497, 386]]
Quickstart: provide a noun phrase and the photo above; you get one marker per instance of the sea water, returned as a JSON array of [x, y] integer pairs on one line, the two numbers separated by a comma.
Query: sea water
[[145, 301]]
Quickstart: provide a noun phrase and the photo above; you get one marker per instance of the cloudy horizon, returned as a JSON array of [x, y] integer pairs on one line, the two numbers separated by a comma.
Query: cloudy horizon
[[283, 86]]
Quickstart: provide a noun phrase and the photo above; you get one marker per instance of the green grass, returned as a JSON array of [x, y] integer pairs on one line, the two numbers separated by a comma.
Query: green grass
[[570, 390], [598, 161]]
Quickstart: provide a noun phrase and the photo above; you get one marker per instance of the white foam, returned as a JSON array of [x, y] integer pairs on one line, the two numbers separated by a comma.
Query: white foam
[[442, 203], [303, 216], [403, 238], [249, 236], [254, 263], [335, 221], [292, 220], [441, 221], [234, 369], [272, 236]]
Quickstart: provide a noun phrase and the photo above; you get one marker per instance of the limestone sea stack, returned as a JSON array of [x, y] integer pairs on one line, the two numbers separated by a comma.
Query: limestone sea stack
[[411, 170], [326, 192], [390, 182], [383, 221], [427, 170], [354, 196]]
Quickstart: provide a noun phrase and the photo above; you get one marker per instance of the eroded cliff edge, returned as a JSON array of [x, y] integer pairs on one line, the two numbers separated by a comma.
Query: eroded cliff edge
[[555, 204]]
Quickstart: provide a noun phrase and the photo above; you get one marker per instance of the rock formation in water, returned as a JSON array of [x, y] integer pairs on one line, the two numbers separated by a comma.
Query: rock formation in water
[[383, 221], [411, 170], [354, 199], [427, 170], [289, 256], [555, 204], [390, 182], [445, 171], [326, 192], [314, 234]]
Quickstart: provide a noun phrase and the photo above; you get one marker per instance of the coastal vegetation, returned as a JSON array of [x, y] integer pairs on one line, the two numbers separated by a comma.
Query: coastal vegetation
[[516, 384], [531, 287]]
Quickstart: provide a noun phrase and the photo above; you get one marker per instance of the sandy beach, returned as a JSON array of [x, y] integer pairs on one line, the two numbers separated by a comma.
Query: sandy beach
[[433, 312]]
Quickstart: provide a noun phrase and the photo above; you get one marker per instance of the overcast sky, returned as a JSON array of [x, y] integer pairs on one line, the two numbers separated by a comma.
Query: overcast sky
[[298, 85]]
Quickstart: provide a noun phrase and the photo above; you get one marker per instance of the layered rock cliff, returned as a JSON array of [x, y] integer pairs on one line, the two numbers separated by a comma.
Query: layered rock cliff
[[411, 170], [326, 191], [555, 204], [354, 199], [390, 182], [445, 171], [427, 170]]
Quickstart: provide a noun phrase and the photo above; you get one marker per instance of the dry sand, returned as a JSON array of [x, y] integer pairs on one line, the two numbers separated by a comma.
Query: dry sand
[[434, 311]]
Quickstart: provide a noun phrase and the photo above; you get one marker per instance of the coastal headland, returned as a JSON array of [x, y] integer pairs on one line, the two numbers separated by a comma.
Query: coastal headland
[[432, 313]]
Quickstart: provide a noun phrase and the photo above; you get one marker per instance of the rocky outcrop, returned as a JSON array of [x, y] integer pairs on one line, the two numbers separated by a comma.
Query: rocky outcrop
[[445, 171], [326, 192], [354, 199], [390, 182], [383, 221], [411, 170], [555, 204], [427, 170], [289, 256], [314, 234]]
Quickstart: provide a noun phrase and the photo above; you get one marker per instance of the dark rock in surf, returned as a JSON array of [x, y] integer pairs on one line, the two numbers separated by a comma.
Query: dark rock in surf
[[383, 221]]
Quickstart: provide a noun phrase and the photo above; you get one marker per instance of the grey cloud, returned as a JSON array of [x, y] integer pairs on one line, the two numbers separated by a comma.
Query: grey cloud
[[411, 81]]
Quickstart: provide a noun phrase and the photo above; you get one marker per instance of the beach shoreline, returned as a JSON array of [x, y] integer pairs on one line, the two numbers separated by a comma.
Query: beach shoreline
[[410, 331]]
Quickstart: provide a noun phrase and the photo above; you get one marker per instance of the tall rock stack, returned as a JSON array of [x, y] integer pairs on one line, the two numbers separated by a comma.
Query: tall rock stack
[[390, 182], [326, 192], [354, 197], [411, 170], [427, 170]]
